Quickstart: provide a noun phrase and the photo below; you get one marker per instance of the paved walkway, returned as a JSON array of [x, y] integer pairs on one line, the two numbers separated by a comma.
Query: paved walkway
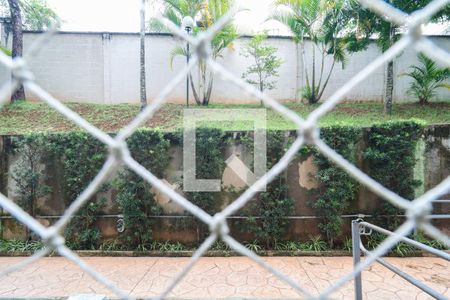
[[234, 277]]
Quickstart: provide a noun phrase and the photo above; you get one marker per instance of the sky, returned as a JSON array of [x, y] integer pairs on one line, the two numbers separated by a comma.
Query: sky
[[123, 16]]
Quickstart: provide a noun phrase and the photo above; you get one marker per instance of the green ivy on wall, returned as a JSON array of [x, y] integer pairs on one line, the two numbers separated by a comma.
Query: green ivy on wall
[[274, 204], [390, 157], [82, 156], [134, 195], [76, 158], [210, 145], [337, 188], [28, 174]]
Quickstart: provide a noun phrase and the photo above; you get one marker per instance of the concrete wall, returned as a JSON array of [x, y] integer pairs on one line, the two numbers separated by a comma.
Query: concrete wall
[[432, 167], [104, 68]]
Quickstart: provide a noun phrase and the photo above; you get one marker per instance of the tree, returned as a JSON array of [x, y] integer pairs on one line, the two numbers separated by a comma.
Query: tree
[[17, 43], [266, 63], [370, 25], [427, 78], [26, 14], [326, 24], [206, 13], [36, 14], [143, 89]]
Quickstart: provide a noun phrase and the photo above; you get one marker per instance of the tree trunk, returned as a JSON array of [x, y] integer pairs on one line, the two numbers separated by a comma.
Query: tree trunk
[[143, 73], [261, 89], [389, 77], [17, 43], [313, 90], [389, 88]]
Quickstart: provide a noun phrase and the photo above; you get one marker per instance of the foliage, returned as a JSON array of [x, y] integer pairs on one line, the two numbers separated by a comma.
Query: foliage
[[403, 249], [421, 238], [135, 197], [337, 188], [206, 14], [266, 63], [28, 174], [316, 244], [348, 245], [274, 204], [220, 246], [5, 51], [12, 246], [168, 246], [210, 165], [427, 78], [391, 147], [37, 15], [370, 24], [326, 24], [82, 157], [253, 246]]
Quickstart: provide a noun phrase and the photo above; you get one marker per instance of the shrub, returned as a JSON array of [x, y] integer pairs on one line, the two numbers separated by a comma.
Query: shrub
[[135, 199], [390, 158], [275, 204], [427, 79], [337, 188], [82, 156]]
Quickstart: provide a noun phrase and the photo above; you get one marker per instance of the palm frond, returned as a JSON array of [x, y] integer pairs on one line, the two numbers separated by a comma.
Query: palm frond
[[178, 51]]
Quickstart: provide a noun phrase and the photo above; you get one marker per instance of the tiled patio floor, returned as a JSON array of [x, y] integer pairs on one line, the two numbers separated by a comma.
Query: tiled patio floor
[[212, 278]]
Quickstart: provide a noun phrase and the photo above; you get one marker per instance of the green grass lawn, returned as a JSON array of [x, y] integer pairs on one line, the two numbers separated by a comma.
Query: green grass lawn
[[28, 117]]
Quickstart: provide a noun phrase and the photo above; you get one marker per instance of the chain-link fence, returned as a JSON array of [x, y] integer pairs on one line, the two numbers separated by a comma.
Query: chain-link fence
[[418, 211]]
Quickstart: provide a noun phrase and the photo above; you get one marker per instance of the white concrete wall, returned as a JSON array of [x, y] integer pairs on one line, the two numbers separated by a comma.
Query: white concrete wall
[[104, 68]]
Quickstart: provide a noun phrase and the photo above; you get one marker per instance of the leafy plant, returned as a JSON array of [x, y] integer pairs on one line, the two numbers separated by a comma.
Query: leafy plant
[[11, 246], [82, 157], [169, 246], [274, 204], [37, 15], [220, 246], [266, 65], [206, 13], [326, 24], [292, 246], [315, 244], [28, 173], [369, 23], [134, 196], [348, 245], [5, 51], [391, 146], [253, 246], [337, 189], [427, 78], [209, 165], [421, 238], [403, 249], [111, 245]]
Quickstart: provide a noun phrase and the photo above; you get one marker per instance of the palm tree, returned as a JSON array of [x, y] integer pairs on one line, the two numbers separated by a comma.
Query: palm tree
[[427, 78], [206, 13], [326, 24], [31, 15], [143, 89], [387, 33], [17, 43]]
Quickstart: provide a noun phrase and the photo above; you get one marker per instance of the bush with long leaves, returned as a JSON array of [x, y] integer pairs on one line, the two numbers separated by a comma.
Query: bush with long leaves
[[428, 77], [206, 13]]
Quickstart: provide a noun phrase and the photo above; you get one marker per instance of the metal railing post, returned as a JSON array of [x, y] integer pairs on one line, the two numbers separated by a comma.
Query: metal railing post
[[356, 251]]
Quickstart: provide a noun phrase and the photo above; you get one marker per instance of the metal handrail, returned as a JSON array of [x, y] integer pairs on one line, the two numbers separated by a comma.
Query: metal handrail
[[359, 228]]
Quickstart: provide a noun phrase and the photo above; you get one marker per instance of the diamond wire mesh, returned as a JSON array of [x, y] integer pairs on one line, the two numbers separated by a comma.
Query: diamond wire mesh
[[418, 211]]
